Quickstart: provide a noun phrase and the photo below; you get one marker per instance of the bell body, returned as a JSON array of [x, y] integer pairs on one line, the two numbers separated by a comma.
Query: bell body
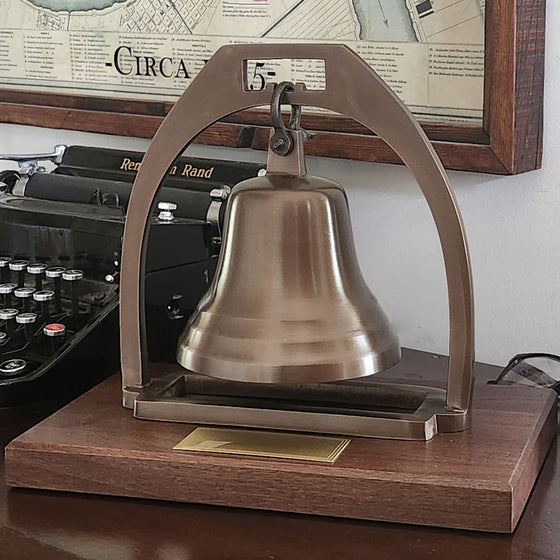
[[288, 303]]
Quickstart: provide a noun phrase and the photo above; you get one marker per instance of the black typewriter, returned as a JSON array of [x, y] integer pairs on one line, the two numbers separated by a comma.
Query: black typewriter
[[60, 243]]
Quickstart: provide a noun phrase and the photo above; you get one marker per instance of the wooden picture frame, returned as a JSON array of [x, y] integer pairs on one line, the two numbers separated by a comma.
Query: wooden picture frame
[[508, 142]]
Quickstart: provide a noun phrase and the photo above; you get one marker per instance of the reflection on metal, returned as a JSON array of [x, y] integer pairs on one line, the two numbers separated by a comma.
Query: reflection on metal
[[288, 303]]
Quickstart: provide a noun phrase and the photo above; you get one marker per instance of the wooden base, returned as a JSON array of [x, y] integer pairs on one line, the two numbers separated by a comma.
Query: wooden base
[[479, 479]]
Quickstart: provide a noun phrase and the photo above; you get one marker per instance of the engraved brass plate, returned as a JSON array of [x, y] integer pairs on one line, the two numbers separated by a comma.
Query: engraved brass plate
[[264, 444]]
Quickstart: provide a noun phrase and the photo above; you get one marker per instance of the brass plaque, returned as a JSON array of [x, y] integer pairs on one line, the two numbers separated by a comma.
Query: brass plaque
[[262, 443]]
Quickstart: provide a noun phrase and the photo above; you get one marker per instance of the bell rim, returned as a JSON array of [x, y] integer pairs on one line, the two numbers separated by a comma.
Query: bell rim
[[364, 366]]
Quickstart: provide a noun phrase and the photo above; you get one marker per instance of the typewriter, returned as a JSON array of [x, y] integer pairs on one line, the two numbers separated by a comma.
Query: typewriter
[[60, 243]]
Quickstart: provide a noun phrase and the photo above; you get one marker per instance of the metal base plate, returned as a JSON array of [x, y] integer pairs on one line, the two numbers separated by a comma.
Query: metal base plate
[[356, 408]]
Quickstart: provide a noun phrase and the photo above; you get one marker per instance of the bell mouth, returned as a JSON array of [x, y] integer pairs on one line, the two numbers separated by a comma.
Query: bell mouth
[[294, 362], [287, 375]]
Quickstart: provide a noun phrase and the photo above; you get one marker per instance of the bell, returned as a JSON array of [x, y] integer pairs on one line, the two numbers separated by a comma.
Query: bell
[[288, 319], [288, 303]]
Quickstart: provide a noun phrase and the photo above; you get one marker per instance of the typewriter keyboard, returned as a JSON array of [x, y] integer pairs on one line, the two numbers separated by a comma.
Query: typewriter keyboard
[[42, 308]]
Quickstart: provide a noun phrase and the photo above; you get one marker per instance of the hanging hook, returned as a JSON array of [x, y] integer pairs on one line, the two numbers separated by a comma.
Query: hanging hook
[[281, 142]]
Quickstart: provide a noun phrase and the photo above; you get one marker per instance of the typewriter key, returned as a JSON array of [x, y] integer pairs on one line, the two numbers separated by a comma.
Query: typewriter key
[[56, 332], [3, 338], [73, 276], [27, 320], [37, 269], [25, 294], [9, 315], [55, 272], [12, 367], [7, 290], [20, 267], [43, 297]]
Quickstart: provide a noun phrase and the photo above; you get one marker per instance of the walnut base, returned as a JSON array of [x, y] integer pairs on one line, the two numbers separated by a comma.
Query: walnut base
[[479, 479]]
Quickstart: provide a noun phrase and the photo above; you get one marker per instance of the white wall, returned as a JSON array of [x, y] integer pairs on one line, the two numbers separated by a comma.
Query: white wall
[[512, 226]]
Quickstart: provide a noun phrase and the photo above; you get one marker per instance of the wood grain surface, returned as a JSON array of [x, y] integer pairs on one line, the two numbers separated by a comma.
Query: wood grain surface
[[478, 479]]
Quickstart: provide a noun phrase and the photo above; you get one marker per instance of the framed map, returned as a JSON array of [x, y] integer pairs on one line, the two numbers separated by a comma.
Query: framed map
[[461, 66]]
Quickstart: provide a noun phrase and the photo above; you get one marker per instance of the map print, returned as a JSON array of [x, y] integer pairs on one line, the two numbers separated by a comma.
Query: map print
[[429, 51]]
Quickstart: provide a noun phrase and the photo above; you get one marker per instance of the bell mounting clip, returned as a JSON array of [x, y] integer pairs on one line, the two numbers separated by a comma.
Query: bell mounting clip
[[281, 142]]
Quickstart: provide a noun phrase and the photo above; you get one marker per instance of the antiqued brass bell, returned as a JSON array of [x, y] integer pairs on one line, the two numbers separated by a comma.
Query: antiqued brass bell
[[288, 303], [289, 311]]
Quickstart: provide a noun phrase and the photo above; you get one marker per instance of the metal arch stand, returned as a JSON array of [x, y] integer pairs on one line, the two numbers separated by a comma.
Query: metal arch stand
[[353, 89]]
